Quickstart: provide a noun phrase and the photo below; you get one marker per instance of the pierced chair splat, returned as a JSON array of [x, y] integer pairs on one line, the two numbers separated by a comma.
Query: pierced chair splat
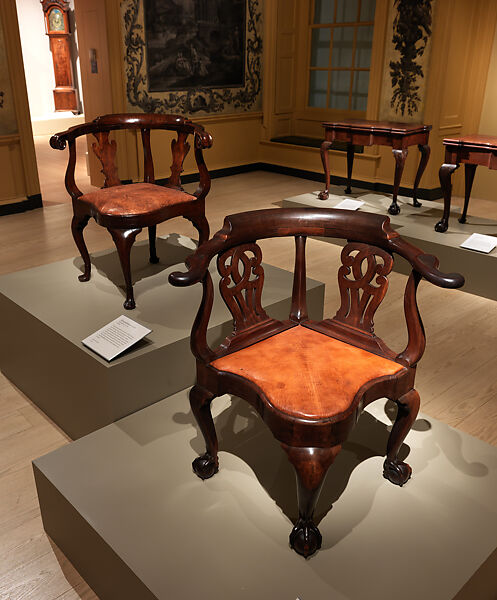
[[125, 209], [308, 380]]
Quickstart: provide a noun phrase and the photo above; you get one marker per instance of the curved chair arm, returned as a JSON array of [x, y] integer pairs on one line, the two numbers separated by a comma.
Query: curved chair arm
[[143, 121], [425, 264]]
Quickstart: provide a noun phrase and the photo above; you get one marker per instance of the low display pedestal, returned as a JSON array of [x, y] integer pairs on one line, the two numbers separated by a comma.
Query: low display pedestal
[[45, 312], [126, 509], [416, 226]]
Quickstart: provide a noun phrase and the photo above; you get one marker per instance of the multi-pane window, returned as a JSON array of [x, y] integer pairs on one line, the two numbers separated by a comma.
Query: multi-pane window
[[341, 39]]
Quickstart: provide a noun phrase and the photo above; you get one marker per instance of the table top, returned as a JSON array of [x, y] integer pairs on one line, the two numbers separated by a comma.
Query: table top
[[488, 142], [371, 126]]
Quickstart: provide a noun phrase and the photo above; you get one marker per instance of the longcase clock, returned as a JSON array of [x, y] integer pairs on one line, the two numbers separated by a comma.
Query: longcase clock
[[57, 29]]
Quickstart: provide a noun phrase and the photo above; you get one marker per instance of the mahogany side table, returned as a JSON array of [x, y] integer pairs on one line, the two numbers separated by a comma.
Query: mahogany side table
[[385, 133], [472, 150]]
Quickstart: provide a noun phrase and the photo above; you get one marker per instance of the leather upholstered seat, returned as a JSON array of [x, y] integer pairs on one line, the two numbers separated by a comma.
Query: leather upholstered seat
[[305, 373], [134, 199]]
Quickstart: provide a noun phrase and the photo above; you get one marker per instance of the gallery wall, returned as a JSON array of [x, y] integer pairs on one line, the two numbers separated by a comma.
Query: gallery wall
[[19, 185], [485, 181]]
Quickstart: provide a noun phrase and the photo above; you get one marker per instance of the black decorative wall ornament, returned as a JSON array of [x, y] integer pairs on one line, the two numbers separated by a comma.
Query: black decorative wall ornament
[[194, 99], [412, 29]]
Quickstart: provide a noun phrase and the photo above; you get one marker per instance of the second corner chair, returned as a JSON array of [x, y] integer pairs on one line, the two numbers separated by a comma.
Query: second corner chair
[[125, 209]]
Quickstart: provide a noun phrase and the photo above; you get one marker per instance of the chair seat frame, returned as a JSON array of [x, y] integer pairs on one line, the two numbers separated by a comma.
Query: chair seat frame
[[310, 443]]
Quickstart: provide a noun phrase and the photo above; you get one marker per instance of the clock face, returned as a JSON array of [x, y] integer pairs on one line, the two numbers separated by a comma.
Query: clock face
[[56, 20]]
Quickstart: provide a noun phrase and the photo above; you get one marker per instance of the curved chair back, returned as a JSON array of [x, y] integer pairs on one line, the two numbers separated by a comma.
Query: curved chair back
[[367, 259]]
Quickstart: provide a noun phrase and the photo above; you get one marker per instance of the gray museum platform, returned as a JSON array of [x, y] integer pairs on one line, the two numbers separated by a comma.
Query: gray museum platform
[[417, 226], [125, 507], [45, 312]]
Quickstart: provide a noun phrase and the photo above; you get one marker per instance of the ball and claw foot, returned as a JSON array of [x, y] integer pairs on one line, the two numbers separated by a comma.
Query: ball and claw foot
[[205, 466], [129, 304], [441, 227], [397, 472], [84, 277], [348, 190], [323, 195], [394, 209], [154, 260], [305, 538], [416, 203]]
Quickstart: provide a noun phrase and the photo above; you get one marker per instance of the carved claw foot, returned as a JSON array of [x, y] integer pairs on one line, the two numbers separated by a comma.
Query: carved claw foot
[[305, 538], [154, 260], [394, 209], [416, 203], [348, 190], [396, 471], [205, 466], [441, 227], [323, 195], [84, 277], [129, 304]]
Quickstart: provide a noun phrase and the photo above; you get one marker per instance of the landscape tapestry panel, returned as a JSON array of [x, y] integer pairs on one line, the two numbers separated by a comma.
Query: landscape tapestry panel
[[195, 44]]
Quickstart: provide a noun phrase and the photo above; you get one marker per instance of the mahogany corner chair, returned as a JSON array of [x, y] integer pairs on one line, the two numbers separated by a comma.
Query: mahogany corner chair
[[308, 380], [125, 209]]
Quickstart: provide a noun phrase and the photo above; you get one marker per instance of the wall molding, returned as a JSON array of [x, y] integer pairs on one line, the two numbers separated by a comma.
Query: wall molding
[[423, 193], [30, 203]]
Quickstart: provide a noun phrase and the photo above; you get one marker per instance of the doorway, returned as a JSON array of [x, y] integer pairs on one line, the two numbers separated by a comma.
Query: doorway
[[46, 118]]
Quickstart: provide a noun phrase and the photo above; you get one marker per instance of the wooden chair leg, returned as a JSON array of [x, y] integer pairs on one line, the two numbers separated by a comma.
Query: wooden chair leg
[[124, 240], [311, 466], [201, 225], [394, 470], [207, 464], [77, 226], [152, 234]]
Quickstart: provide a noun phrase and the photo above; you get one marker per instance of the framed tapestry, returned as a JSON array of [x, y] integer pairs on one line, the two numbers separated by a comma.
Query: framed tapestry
[[193, 56]]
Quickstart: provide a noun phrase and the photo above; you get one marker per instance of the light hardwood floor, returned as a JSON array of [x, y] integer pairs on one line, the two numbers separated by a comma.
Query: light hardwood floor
[[457, 376]]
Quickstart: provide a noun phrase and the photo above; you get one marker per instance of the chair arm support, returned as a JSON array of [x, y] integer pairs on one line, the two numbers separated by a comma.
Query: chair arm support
[[425, 264]]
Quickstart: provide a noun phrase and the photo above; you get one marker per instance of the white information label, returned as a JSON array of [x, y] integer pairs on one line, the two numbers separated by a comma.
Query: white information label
[[480, 242], [116, 337], [349, 204]]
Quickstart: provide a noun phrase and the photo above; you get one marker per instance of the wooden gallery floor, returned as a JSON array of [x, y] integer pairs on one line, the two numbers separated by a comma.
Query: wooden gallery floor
[[456, 378]]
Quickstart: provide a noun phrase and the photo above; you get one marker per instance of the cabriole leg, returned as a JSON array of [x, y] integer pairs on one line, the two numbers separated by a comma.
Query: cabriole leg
[[124, 240], [350, 164], [311, 465], [201, 225], [394, 470], [152, 234], [469, 175], [77, 226], [325, 146], [400, 160], [423, 161], [445, 175], [207, 465]]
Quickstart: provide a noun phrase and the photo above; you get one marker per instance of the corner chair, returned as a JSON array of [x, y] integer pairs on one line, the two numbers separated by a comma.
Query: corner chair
[[125, 209], [308, 380]]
